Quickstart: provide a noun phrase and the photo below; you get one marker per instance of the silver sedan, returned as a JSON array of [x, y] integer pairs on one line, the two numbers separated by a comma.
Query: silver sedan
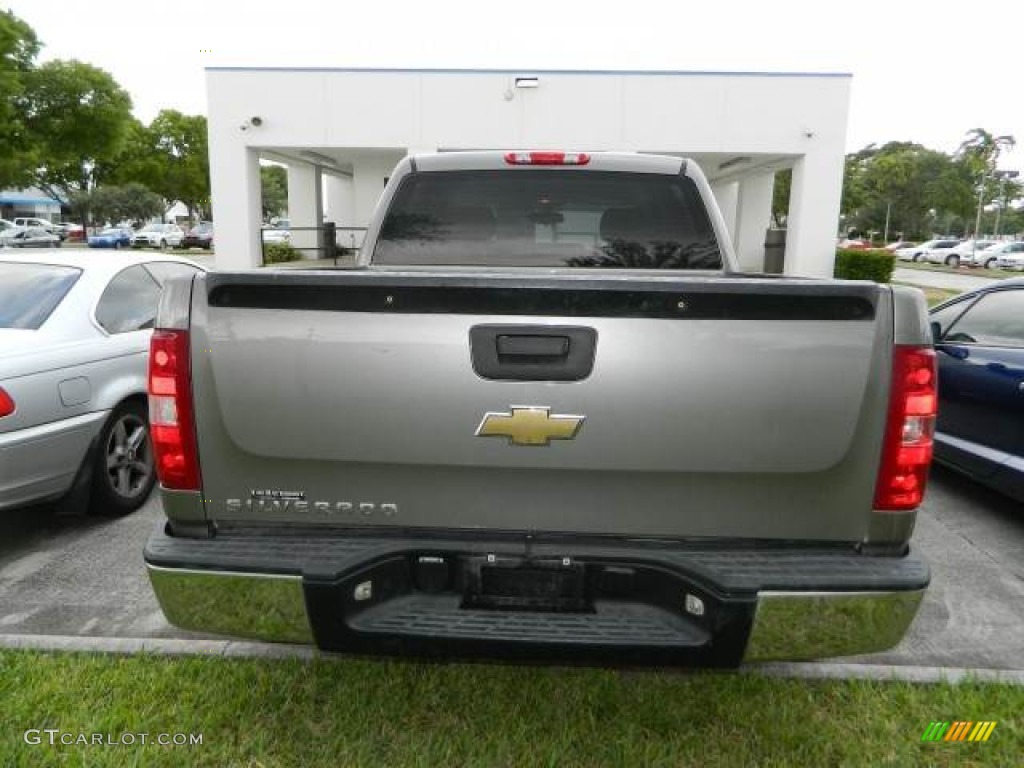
[[74, 340]]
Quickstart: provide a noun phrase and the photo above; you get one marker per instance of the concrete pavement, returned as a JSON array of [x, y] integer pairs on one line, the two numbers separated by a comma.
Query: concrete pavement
[[84, 577]]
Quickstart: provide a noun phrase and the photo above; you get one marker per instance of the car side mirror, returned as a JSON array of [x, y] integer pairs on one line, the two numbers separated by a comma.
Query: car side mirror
[[936, 332]]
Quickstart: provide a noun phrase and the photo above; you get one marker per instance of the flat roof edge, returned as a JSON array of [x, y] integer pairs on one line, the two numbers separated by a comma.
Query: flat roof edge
[[528, 71]]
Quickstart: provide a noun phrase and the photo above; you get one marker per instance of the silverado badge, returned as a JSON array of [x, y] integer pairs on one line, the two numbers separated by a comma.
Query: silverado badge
[[530, 425]]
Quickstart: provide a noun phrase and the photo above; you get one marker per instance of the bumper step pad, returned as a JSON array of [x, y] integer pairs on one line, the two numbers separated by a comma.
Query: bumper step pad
[[611, 624]]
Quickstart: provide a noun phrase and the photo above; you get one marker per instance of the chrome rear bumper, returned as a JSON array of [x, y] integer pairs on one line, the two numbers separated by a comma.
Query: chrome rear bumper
[[652, 624]]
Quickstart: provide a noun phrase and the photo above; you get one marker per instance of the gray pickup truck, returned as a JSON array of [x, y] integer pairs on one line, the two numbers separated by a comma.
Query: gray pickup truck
[[545, 416]]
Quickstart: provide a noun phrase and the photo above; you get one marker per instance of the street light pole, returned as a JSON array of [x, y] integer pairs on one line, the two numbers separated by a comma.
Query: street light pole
[[1002, 176], [977, 221]]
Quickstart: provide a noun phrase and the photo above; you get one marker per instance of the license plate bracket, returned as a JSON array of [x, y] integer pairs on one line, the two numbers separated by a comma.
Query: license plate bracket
[[525, 585]]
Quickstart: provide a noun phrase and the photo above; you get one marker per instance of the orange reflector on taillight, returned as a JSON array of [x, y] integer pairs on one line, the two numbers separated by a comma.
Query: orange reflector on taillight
[[908, 442], [170, 411]]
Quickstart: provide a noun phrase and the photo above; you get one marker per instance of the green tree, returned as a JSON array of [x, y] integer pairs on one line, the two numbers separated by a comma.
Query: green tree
[[181, 142], [18, 49], [79, 116], [136, 162], [780, 197], [131, 202], [979, 155], [169, 156], [981, 150], [274, 180], [918, 189]]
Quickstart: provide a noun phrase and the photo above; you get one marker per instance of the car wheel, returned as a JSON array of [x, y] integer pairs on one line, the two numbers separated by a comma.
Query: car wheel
[[124, 471], [953, 261], [117, 245], [917, 257], [990, 264], [163, 245]]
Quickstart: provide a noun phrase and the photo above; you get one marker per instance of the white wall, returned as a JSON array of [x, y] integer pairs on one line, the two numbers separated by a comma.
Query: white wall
[[378, 116]]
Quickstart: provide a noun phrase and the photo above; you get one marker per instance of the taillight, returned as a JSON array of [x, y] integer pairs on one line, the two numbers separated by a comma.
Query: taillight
[[547, 158], [170, 411], [907, 450], [6, 404]]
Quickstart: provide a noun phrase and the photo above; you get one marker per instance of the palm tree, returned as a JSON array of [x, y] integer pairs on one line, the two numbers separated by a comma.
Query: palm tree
[[980, 152]]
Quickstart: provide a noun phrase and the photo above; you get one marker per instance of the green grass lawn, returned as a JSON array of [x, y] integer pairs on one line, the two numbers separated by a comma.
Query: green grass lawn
[[932, 295], [262, 713]]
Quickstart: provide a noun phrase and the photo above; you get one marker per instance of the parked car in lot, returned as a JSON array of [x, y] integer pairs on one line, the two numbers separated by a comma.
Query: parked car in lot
[[28, 237], [900, 244], [979, 341], [74, 334], [1005, 255], [73, 232], [200, 236], [279, 232], [35, 221], [961, 253], [161, 236], [917, 252], [111, 237]]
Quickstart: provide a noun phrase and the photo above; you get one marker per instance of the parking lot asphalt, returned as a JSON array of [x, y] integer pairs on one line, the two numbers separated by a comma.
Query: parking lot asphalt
[[80, 576]]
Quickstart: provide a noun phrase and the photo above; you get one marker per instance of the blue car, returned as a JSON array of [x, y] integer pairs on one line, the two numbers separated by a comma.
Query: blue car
[[979, 342], [112, 237]]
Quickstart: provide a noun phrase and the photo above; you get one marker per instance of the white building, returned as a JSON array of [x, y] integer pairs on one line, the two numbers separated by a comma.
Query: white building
[[341, 132]]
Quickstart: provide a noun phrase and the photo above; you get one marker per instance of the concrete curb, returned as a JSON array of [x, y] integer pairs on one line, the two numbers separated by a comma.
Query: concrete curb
[[257, 650], [821, 670]]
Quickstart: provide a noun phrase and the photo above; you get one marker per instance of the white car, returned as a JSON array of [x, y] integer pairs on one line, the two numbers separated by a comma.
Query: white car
[[279, 232], [962, 253], [161, 236], [74, 346], [29, 237], [917, 252], [35, 221], [1008, 255]]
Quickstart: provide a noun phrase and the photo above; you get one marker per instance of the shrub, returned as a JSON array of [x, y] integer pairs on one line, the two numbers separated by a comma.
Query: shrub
[[275, 253], [874, 265]]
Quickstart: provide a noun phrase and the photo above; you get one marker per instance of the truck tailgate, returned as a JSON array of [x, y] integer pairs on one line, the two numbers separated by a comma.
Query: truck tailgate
[[715, 407]]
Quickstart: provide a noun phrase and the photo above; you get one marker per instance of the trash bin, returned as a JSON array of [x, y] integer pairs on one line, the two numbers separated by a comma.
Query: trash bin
[[329, 246], [775, 251]]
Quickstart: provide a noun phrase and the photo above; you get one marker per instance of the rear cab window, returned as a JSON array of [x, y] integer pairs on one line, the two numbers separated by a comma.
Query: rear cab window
[[29, 293], [548, 218]]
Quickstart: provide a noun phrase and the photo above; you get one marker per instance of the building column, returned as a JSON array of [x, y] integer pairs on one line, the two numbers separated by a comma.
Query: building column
[[237, 206], [753, 217], [814, 202], [340, 199], [305, 208], [368, 177], [727, 196]]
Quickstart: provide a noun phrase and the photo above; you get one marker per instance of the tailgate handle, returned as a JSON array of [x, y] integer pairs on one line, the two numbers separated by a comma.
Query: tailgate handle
[[532, 352], [533, 346]]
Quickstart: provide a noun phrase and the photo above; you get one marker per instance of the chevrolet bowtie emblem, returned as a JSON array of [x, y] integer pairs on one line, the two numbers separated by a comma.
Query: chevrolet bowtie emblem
[[530, 425]]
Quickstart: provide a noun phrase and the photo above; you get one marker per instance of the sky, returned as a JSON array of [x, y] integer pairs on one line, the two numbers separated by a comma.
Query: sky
[[922, 71]]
